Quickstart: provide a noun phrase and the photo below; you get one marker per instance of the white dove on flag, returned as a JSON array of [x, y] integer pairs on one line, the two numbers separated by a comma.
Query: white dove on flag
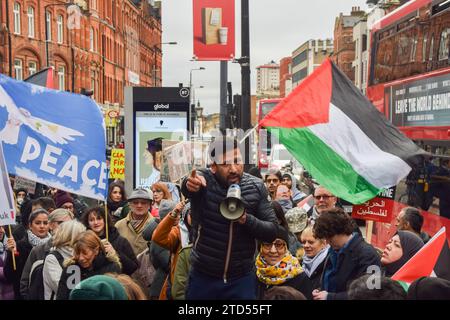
[[18, 116]]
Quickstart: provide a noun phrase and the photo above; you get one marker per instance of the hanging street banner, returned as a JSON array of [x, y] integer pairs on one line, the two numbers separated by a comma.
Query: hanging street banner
[[117, 169], [7, 208], [214, 30], [378, 209], [52, 137]]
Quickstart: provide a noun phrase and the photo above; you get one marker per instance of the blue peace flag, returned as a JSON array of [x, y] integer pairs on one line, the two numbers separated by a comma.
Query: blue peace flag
[[53, 137]]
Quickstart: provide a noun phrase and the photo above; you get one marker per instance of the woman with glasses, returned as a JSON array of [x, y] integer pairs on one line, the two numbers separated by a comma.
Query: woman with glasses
[[160, 192], [37, 233], [276, 266]]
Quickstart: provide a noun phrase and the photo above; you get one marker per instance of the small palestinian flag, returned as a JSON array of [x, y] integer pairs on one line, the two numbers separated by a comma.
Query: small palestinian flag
[[43, 78], [433, 260], [347, 145]]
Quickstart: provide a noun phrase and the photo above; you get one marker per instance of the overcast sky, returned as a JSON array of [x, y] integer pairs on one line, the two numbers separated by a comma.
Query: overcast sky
[[276, 29]]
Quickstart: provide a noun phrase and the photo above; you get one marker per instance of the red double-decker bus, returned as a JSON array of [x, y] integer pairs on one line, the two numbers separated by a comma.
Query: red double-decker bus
[[409, 81], [264, 137]]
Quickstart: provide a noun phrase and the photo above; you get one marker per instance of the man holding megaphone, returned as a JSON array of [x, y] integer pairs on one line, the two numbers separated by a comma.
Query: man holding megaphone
[[229, 210]]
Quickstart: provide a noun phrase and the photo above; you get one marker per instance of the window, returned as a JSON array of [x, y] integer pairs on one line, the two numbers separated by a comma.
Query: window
[[59, 29], [412, 56], [32, 67], [424, 47], [16, 12], [61, 78], [91, 39], [18, 74], [30, 22], [94, 4], [443, 45], [430, 56], [48, 25]]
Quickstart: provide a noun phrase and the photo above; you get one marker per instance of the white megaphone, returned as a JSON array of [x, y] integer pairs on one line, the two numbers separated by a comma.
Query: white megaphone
[[232, 207]]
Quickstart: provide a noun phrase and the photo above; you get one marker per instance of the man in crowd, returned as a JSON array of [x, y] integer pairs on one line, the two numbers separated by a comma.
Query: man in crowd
[[410, 219], [138, 218], [323, 200], [290, 181], [222, 259], [273, 180]]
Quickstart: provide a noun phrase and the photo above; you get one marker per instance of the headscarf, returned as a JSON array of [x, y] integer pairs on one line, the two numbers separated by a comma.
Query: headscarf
[[410, 243]]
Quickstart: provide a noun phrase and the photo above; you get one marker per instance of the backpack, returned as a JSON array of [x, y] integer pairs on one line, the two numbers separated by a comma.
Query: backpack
[[36, 282]]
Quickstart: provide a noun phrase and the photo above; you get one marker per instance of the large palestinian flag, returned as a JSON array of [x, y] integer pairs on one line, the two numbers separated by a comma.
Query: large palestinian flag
[[433, 260], [340, 137]]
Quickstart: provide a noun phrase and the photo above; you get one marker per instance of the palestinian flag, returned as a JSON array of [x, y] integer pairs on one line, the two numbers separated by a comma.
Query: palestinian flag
[[347, 145], [43, 78], [433, 260]]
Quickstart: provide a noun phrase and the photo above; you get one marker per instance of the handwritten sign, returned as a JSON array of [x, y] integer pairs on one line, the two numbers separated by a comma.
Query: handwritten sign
[[7, 209], [377, 209], [22, 183], [117, 169]]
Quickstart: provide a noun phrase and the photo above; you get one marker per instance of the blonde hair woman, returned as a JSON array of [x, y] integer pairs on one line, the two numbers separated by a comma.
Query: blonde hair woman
[[62, 249], [89, 259]]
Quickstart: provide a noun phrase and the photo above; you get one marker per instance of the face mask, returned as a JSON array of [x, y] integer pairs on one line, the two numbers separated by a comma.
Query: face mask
[[20, 201]]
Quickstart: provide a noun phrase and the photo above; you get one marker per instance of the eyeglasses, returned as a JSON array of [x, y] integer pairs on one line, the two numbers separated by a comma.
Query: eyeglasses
[[278, 245], [272, 180], [324, 197]]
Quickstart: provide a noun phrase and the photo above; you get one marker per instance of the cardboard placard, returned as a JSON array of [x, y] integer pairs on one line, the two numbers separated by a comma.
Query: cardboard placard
[[211, 23]]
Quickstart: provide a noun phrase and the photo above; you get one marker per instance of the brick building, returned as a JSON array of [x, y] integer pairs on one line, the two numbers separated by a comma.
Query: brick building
[[344, 47], [104, 46], [285, 76]]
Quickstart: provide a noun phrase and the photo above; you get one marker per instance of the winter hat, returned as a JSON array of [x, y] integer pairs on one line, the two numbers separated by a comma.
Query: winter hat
[[297, 219], [62, 197], [165, 207], [99, 287], [429, 288], [411, 243], [142, 194]]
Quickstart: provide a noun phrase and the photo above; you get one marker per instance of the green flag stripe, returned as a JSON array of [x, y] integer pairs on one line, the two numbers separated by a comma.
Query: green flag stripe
[[325, 165]]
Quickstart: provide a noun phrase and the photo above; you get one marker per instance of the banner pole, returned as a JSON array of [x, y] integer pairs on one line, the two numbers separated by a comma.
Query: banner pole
[[14, 251], [106, 221], [369, 226]]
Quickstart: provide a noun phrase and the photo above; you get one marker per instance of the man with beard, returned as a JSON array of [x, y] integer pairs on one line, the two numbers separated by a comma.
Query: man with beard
[[222, 259]]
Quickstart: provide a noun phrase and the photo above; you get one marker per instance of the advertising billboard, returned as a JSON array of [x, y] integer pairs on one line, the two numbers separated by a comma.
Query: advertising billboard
[[157, 115], [214, 31]]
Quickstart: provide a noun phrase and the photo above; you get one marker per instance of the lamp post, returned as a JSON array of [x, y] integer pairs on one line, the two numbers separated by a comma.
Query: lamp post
[[190, 97], [155, 63]]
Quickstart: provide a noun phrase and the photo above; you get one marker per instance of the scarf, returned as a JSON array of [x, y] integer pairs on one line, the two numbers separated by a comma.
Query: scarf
[[34, 240], [285, 204], [288, 268], [114, 205], [310, 264], [138, 225]]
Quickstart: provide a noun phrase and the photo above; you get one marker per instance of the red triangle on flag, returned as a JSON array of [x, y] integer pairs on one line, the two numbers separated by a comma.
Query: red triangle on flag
[[424, 261]]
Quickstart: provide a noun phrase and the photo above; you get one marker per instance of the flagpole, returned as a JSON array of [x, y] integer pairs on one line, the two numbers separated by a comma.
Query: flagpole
[[249, 133], [106, 221], [13, 252]]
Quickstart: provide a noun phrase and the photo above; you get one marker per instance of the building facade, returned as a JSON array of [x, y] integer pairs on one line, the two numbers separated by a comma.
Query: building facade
[[360, 64], [344, 47], [307, 57], [268, 80], [99, 45], [285, 76]]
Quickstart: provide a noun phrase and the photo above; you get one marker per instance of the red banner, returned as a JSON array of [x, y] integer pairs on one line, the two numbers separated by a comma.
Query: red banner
[[214, 29], [377, 209]]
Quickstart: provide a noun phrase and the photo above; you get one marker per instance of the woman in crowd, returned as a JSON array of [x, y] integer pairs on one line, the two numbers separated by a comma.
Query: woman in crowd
[[294, 244], [63, 240], [276, 266], [313, 261], [94, 219], [36, 234], [400, 248], [160, 192], [6, 289], [89, 259], [117, 201]]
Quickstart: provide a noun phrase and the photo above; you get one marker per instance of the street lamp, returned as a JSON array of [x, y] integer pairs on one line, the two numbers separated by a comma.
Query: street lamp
[[155, 63], [190, 97]]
